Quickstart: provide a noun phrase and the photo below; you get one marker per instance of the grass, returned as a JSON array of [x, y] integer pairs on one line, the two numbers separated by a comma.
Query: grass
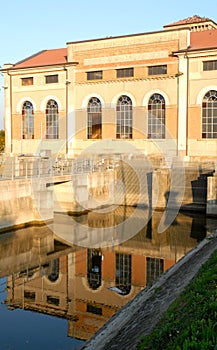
[[190, 323]]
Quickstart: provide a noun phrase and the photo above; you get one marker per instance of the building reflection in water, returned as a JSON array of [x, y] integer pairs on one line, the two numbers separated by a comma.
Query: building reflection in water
[[87, 286]]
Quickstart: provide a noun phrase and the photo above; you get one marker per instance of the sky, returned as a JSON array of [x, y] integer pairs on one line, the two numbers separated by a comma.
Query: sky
[[28, 27]]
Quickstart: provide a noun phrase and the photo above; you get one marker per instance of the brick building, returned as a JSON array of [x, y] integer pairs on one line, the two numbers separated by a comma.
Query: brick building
[[156, 91]]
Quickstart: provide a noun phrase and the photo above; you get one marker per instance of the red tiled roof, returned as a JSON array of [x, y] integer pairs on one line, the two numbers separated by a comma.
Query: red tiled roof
[[43, 58], [203, 39], [189, 20]]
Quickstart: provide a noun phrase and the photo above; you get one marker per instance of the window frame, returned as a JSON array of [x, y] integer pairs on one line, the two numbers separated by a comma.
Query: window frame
[[160, 69], [94, 112], [27, 120], [94, 268], [125, 72], [209, 115], [124, 118], [209, 65], [95, 75], [123, 272], [27, 81], [52, 118], [154, 269], [52, 79], [156, 117]]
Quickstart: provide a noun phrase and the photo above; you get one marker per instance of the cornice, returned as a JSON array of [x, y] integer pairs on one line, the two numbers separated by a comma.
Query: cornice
[[146, 78]]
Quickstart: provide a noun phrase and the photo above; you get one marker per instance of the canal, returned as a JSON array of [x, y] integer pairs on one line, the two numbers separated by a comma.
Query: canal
[[57, 290]]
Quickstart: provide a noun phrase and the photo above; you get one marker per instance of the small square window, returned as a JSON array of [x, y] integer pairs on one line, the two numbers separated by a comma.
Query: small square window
[[53, 300], [95, 75], [27, 81], [157, 70], [125, 73], [50, 79], [210, 65]]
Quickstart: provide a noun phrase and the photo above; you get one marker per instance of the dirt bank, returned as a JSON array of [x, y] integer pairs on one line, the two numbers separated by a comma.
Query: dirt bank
[[124, 330]]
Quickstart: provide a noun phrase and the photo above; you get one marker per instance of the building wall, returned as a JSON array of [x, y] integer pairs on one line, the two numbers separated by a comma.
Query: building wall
[[38, 94], [200, 82], [183, 88]]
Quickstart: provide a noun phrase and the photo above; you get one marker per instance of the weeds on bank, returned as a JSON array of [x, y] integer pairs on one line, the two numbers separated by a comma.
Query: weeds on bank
[[190, 323]]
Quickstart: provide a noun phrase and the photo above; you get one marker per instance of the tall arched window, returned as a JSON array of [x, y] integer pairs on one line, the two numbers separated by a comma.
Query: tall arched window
[[52, 120], [156, 117], [27, 121], [123, 273], [209, 115], [94, 268], [54, 270], [94, 119], [124, 118]]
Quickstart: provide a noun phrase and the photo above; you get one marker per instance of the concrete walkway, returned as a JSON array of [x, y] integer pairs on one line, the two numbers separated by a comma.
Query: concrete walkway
[[137, 318]]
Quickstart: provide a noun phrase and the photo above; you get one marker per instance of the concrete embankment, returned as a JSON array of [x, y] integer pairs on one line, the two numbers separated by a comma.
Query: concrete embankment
[[190, 187], [24, 201], [183, 186]]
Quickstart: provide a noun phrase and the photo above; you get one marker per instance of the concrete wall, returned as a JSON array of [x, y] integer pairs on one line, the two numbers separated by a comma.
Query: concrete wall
[[24, 201], [182, 186], [186, 187]]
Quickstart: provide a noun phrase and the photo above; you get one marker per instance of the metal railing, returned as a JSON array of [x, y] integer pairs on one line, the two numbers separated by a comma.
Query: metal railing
[[17, 168], [32, 167]]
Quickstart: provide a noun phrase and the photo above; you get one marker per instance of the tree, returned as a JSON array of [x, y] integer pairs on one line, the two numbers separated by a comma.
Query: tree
[[2, 141]]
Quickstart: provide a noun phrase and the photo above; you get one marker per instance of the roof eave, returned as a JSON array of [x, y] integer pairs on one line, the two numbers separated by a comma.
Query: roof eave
[[189, 50], [64, 64]]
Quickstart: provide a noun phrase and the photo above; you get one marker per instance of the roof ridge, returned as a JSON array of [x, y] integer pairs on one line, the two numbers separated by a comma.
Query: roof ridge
[[190, 20]]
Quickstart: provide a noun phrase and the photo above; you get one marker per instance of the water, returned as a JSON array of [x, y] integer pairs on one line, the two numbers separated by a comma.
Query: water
[[55, 294]]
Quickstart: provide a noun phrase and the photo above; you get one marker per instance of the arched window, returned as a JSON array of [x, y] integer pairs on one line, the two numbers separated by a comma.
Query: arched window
[[209, 115], [124, 118], [27, 121], [94, 268], [123, 273], [94, 119], [52, 120], [54, 270], [156, 117]]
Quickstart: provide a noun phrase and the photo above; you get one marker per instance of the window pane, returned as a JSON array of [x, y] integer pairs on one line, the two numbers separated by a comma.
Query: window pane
[[209, 112], [210, 65], [123, 273], [124, 118], [125, 72], [157, 70], [27, 121], [154, 268], [96, 75], [94, 119], [27, 81], [49, 79], [52, 120], [156, 117]]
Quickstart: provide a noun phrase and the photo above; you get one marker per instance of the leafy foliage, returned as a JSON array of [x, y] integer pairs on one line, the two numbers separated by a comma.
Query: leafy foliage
[[2, 141], [190, 323]]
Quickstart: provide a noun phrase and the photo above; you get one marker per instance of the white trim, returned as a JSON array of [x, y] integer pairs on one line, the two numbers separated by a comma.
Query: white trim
[[45, 101], [152, 92], [88, 97], [21, 102], [203, 92], [117, 96]]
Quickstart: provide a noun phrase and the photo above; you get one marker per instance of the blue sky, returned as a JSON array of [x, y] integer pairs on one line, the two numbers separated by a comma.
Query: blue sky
[[31, 26]]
